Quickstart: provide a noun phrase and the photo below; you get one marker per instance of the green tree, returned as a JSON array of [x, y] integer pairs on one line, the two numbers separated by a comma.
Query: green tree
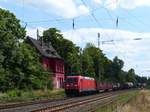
[[19, 63], [148, 82], [108, 70], [66, 49], [87, 64], [28, 71], [130, 77], [117, 66], [96, 58], [10, 34], [53, 36]]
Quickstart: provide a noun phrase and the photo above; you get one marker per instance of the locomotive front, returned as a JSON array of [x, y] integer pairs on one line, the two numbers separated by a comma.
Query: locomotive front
[[71, 85]]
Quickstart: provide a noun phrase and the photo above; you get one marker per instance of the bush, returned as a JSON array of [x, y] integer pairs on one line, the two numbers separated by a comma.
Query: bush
[[14, 93]]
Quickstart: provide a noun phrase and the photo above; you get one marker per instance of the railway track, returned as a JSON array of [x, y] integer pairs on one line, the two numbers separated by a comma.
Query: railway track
[[60, 105], [21, 104], [65, 106], [74, 105]]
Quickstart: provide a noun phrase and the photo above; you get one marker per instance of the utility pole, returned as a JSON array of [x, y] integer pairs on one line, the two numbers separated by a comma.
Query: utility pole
[[98, 40], [39, 38], [37, 33], [73, 24]]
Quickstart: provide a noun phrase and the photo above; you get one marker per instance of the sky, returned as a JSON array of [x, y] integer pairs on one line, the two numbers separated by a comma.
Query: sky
[[90, 18]]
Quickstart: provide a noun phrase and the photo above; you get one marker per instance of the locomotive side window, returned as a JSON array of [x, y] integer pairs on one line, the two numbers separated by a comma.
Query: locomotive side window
[[71, 80]]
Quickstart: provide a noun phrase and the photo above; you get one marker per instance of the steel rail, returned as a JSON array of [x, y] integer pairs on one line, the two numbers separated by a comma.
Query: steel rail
[[39, 105], [21, 104], [68, 105]]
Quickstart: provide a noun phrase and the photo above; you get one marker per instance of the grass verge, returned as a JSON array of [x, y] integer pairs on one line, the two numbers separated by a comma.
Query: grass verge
[[140, 103], [119, 102], [25, 96]]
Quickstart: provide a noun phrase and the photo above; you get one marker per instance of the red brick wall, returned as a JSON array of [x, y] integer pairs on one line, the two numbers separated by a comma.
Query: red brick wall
[[57, 67]]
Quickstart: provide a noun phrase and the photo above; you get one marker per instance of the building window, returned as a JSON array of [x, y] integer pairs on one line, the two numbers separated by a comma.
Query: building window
[[53, 53], [58, 68], [61, 68], [47, 66], [48, 51]]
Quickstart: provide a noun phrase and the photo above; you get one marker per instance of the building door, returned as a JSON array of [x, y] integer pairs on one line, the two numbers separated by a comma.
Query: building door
[[59, 83]]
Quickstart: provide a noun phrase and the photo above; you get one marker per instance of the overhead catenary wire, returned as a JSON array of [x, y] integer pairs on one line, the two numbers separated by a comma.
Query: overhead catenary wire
[[113, 1], [59, 19], [137, 18], [66, 19], [50, 20], [131, 24], [94, 18], [122, 18], [69, 19], [62, 19], [117, 22], [116, 25]]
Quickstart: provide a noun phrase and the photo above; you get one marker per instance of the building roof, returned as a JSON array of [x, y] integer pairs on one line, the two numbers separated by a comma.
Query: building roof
[[43, 49]]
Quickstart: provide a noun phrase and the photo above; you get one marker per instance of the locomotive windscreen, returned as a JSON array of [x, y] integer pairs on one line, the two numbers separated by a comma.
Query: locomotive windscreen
[[71, 80]]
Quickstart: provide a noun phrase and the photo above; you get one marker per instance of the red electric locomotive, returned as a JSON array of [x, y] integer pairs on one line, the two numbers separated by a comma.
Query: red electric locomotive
[[76, 85]]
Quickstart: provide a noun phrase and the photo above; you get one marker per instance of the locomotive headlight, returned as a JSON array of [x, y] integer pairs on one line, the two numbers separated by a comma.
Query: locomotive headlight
[[75, 85], [67, 85]]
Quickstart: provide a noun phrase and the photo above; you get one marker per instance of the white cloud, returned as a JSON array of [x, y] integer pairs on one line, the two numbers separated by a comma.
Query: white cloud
[[98, 1], [131, 4], [111, 4], [63, 8], [3, 0], [82, 10], [32, 32], [126, 4], [90, 34], [134, 52], [3, 8], [70, 8]]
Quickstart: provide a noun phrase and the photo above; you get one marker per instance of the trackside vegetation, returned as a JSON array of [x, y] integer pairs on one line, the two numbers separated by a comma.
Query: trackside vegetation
[[140, 103], [27, 96], [117, 104]]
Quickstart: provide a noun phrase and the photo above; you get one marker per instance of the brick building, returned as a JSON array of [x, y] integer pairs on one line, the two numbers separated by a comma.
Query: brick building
[[50, 59]]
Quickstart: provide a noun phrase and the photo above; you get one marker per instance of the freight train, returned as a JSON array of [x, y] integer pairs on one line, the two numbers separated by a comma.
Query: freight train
[[80, 85]]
